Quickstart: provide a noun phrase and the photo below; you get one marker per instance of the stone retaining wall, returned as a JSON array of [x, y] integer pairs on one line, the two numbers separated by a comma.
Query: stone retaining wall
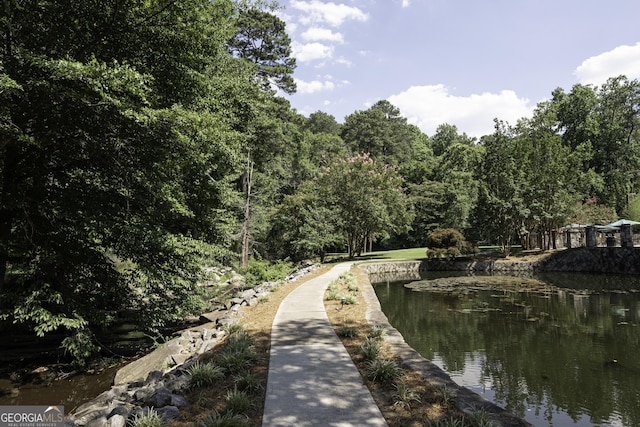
[[615, 260]]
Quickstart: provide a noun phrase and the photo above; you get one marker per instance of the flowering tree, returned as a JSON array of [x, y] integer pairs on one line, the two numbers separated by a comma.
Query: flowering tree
[[368, 198]]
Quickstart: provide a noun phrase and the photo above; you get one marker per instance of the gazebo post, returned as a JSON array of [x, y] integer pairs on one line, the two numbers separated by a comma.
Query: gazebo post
[[591, 237], [626, 236]]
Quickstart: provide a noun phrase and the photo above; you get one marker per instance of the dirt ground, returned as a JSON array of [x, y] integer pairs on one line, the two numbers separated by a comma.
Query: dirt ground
[[430, 406]]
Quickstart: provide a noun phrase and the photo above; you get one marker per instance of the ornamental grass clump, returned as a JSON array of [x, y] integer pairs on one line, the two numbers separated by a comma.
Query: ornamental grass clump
[[238, 402], [239, 353], [149, 419], [377, 333], [204, 374], [227, 420], [247, 382], [370, 349], [348, 332], [404, 395], [384, 371]]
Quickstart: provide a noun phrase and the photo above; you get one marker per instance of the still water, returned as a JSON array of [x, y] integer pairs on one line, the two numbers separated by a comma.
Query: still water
[[566, 355]]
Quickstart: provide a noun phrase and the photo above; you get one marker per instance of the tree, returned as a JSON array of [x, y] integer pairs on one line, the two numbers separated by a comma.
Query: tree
[[261, 39], [380, 131], [501, 208], [446, 135], [368, 198], [116, 179], [457, 167], [321, 122], [304, 227]]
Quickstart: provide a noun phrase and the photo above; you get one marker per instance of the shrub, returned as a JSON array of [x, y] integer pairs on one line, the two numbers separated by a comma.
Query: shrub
[[370, 349], [149, 419], [238, 402], [384, 370], [377, 333], [448, 242], [445, 238], [404, 395], [348, 332], [248, 382], [204, 374], [227, 420], [259, 271]]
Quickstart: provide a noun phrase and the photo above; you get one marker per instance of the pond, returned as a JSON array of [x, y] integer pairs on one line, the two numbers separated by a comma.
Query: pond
[[565, 353]]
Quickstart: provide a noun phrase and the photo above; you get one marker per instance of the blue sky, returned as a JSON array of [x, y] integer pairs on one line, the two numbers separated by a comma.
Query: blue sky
[[454, 61]]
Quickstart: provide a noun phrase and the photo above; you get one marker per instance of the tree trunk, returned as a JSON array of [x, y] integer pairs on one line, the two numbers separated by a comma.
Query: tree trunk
[[246, 238]]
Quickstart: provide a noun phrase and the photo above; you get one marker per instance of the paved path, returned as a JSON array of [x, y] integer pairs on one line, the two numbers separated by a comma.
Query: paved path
[[312, 380]]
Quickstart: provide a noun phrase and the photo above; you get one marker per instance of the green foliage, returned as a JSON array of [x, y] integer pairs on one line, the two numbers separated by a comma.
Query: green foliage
[[405, 396], [377, 333], [112, 157], [238, 402], [261, 38], [367, 197], [80, 346], [204, 374], [239, 353], [149, 419], [229, 419], [247, 382], [633, 210], [370, 349], [448, 242], [348, 332], [264, 271], [383, 370]]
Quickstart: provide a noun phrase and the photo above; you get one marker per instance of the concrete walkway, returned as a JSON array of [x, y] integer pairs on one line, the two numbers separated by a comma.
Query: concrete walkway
[[312, 380]]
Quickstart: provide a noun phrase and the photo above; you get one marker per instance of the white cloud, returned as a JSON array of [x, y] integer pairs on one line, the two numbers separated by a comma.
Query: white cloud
[[432, 105], [311, 51], [405, 3], [621, 60], [319, 34], [313, 86], [330, 13]]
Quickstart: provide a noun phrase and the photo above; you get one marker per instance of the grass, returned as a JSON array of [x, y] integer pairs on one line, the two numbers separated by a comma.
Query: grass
[[238, 402], [204, 374], [370, 349], [384, 370], [149, 419], [227, 420], [404, 395]]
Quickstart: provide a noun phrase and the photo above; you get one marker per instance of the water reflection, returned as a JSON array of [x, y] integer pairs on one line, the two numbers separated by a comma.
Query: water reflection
[[567, 356]]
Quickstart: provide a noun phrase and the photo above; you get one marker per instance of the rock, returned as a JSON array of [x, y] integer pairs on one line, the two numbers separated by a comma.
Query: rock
[[168, 412], [177, 400], [210, 317], [117, 421], [159, 398], [154, 361], [97, 422], [154, 376], [179, 359]]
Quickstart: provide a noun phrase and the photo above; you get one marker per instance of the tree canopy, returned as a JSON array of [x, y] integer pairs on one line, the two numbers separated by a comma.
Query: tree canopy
[[141, 141]]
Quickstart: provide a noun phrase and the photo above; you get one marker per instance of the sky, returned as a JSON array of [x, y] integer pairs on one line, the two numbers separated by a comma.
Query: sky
[[460, 62]]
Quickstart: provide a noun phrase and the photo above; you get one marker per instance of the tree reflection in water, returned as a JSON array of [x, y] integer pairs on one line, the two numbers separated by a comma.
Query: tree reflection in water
[[564, 353]]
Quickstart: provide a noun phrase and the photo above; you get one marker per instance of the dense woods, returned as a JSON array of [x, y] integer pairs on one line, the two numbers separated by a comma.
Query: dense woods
[[143, 140]]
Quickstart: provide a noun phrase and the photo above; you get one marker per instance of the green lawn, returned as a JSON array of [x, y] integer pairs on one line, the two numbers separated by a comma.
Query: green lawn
[[404, 254], [396, 254]]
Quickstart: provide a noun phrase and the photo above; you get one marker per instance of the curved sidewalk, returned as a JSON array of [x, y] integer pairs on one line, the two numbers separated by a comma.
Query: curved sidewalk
[[312, 380]]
